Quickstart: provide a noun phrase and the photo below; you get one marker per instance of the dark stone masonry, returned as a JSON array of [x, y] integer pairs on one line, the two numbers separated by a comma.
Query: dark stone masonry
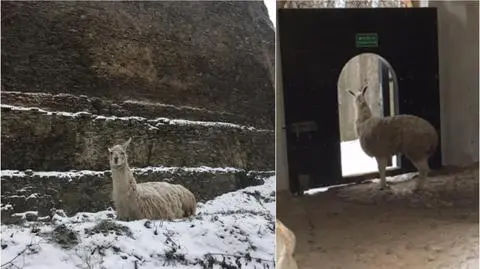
[[152, 110], [33, 139]]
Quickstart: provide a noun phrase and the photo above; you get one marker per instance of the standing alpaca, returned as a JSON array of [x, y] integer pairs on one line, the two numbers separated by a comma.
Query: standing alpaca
[[149, 200], [383, 137]]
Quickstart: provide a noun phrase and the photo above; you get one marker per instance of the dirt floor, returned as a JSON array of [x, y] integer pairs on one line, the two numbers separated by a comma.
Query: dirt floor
[[358, 226]]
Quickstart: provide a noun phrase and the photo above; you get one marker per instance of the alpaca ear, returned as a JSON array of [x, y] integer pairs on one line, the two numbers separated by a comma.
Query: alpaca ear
[[125, 145], [109, 149], [364, 90], [351, 93]]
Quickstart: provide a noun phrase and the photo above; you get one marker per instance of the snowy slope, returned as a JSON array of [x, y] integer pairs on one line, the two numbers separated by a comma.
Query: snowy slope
[[235, 229]]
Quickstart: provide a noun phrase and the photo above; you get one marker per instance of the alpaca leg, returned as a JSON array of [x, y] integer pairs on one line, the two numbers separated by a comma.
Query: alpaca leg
[[192, 212], [423, 170], [382, 168]]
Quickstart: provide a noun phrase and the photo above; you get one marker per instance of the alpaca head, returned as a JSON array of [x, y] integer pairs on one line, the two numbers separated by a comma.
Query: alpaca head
[[359, 97], [118, 155], [362, 109]]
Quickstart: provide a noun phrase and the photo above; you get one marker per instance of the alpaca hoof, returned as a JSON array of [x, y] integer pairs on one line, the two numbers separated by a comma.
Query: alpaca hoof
[[385, 187], [418, 188]]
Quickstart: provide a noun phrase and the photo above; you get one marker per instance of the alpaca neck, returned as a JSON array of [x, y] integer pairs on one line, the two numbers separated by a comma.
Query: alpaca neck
[[123, 180], [363, 113]]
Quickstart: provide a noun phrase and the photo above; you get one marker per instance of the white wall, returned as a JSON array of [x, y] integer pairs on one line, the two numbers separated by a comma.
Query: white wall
[[281, 165], [458, 75], [459, 86]]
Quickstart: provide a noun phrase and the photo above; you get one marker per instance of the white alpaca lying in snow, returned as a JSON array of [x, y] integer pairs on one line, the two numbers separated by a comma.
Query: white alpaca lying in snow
[[149, 200]]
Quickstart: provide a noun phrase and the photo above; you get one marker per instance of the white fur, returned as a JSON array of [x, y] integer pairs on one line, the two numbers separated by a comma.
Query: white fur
[[149, 200], [284, 247], [383, 137]]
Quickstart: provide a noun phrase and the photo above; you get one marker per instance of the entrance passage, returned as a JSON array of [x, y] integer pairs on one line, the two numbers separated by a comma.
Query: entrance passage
[[371, 69], [315, 45]]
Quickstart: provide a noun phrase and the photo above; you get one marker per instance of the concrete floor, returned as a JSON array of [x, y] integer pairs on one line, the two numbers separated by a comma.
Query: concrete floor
[[358, 227]]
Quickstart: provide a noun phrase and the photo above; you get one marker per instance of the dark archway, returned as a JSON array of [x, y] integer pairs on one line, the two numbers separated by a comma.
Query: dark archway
[[315, 44]]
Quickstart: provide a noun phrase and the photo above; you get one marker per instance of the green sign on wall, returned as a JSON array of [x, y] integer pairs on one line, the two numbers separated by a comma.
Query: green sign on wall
[[366, 40]]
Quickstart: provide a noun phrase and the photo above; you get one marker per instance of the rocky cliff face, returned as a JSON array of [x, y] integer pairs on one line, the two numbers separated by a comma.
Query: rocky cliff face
[[212, 55], [190, 82]]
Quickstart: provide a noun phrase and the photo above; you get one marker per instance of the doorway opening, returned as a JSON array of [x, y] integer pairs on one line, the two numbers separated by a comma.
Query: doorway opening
[[382, 96]]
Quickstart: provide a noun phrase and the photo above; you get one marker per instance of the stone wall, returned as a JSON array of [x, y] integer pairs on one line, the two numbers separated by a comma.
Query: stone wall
[[41, 140], [90, 191], [74, 103]]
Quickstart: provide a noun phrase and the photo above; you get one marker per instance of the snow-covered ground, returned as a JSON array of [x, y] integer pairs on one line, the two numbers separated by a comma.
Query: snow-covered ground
[[234, 230], [355, 161], [149, 169]]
